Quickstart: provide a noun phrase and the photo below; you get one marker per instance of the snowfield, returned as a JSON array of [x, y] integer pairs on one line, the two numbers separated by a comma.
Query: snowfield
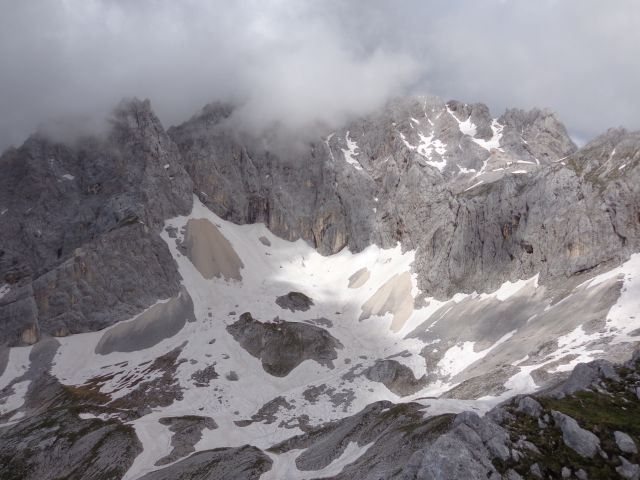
[[443, 344]]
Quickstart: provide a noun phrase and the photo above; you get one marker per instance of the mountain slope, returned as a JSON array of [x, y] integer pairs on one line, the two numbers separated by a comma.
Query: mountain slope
[[310, 308]]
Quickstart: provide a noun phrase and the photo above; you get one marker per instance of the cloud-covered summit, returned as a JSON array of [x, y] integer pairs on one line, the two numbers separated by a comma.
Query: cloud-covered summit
[[300, 63]]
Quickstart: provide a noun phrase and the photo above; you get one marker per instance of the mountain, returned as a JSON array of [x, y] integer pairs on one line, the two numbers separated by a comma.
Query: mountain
[[370, 302]]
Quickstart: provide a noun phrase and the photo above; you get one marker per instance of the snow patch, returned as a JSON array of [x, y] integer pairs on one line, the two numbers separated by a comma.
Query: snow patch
[[350, 152]]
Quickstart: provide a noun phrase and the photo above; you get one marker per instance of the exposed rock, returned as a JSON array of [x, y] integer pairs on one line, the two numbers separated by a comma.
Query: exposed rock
[[241, 463], [395, 434], [282, 346], [58, 444], [187, 431], [204, 376], [530, 406], [535, 471], [628, 470], [395, 376], [265, 241], [582, 441], [584, 375], [82, 254], [625, 443], [294, 301]]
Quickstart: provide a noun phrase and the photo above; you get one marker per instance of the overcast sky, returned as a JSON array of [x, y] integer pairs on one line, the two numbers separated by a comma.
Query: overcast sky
[[297, 63]]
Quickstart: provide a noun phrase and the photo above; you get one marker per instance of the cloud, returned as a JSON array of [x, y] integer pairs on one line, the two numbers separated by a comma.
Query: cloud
[[298, 63]]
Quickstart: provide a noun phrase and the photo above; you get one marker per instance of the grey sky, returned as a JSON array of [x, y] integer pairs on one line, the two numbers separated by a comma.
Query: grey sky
[[298, 63]]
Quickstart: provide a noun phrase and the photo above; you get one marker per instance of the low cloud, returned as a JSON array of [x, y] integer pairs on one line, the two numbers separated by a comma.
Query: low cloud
[[298, 64]]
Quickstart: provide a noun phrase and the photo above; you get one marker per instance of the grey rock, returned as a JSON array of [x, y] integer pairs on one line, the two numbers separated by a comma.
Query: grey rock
[[397, 434], [494, 437], [282, 346], [513, 475], [265, 241], [625, 443], [530, 406], [578, 439], [267, 413], [241, 463], [58, 444], [203, 377], [395, 376], [536, 471], [471, 460], [187, 431], [566, 472], [585, 376], [80, 249], [628, 470], [582, 475], [294, 301]]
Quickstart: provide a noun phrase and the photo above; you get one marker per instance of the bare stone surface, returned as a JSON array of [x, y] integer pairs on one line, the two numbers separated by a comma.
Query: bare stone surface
[[282, 346]]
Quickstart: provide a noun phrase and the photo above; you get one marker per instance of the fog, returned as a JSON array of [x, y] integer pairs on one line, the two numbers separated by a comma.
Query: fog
[[297, 64]]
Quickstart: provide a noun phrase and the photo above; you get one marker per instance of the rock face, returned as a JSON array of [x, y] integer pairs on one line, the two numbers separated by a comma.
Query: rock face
[[242, 463], [187, 431], [474, 440], [60, 445], [281, 346], [481, 199], [388, 434], [79, 243], [395, 376]]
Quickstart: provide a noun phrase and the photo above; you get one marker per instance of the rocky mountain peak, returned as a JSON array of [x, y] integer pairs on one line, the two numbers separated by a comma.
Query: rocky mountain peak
[[332, 303]]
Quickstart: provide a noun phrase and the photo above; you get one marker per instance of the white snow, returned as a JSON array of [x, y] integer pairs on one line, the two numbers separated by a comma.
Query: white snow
[[467, 127], [4, 289], [494, 141], [427, 146], [284, 466], [350, 152], [17, 364], [462, 355], [16, 399], [271, 271], [474, 185], [68, 176]]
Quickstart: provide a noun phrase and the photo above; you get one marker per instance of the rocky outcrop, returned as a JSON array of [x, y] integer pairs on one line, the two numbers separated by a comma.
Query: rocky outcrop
[[187, 431], [395, 376], [481, 200], [294, 301], [241, 463], [582, 441], [58, 444], [386, 434], [79, 244], [281, 346]]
